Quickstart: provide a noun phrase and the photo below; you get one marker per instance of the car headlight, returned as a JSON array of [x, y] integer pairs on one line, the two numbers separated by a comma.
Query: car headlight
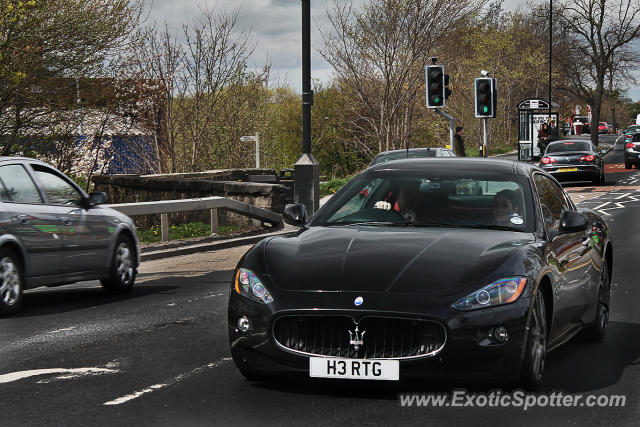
[[503, 291], [248, 285]]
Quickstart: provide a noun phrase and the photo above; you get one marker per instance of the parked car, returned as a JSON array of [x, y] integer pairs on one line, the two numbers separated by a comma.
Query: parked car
[[632, 151], [574, 161], [386, 156], [53, 233], [472, 284]]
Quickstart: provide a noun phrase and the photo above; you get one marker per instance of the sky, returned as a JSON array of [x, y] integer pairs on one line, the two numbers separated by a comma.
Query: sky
[[275, 26]]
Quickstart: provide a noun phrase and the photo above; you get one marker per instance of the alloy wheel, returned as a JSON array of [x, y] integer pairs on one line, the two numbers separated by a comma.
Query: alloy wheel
[[539, 337], [124, 264], [9, 281]]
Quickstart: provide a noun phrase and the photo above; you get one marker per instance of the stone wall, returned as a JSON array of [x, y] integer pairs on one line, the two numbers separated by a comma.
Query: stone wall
[[230, 183]]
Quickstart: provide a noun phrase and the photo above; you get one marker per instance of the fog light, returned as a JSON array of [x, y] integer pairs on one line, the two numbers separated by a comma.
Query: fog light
[[500, 334], [243, 324]]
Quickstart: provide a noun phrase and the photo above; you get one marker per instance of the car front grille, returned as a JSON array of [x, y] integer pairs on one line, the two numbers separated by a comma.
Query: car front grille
[[382, 337]]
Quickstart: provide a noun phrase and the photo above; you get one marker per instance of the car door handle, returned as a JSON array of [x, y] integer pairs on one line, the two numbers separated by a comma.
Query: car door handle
[[67, 221]]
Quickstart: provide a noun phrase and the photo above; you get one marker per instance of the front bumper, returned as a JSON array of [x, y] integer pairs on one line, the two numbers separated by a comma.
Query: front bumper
[[468, 352]]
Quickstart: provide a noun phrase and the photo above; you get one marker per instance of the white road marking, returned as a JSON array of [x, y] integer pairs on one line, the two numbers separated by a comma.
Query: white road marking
[[167, 383], [63, 330], [15, 376], [601, 206]]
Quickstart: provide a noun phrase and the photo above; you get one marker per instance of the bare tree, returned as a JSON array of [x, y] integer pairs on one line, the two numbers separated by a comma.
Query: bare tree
[[215, 53], [380, 52], [598, 31], [159, 61]]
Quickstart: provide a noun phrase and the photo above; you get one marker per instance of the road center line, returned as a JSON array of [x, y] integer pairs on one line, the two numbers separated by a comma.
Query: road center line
[[167, 383]]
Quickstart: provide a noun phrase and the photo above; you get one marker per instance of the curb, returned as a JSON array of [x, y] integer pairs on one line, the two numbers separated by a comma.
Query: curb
[[212, 246]]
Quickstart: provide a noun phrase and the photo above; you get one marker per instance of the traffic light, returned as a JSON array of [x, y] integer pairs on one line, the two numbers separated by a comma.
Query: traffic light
[[486, 96], [447, 91], [435, 86]]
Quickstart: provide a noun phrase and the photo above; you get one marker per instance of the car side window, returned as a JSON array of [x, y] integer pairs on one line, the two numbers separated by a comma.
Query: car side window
[[17, 185], [58, 190], [552, 200]]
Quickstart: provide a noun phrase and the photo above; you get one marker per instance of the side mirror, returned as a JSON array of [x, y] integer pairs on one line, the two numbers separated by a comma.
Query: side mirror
[[97, 198], [572, 222], [295, 214]]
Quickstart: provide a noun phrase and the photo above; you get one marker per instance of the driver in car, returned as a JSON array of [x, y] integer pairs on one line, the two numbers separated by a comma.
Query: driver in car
[[405, 203]]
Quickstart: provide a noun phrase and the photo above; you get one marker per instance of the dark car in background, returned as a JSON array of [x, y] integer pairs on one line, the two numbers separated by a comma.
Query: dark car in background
[[411, 153], [568, 160], [632, 151], [445, 269], [53, 233]]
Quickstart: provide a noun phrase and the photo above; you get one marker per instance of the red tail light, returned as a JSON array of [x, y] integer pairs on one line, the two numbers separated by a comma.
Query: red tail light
[[589, 158], [629, 145], [547, 160]]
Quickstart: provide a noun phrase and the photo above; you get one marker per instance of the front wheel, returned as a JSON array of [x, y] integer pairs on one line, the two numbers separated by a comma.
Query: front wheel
[[536, 351], [122, 272], [11, 282], [598, 328]]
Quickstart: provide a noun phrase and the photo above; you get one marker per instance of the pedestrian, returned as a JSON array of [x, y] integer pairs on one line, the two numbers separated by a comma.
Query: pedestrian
[[458, 142], [543, 137]]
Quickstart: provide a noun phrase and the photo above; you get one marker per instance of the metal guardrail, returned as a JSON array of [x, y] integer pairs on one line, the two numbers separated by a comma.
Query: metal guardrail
[[165, 207]]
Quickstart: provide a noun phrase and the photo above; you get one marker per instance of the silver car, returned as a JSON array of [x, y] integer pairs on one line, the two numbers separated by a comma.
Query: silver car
[[53, 233]]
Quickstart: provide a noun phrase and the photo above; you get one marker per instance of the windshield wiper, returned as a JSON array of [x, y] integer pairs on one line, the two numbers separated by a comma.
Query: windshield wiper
[[493, 227], [385, 223]]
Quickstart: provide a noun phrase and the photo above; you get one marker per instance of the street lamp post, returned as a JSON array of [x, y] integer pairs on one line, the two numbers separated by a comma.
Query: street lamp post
[[550, 52], [307, 170]]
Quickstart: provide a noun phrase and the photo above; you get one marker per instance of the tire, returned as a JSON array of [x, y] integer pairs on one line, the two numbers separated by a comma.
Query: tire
[[11, 282], [122, 272], [536, 347], [598, 329]]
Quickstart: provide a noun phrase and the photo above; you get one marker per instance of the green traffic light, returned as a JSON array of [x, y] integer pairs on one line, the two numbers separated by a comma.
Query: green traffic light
[[437, 100], [485, 109]]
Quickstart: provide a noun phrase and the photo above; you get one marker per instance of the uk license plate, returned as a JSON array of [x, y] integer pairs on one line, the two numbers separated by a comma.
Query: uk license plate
[[354, 369], [568, 170]]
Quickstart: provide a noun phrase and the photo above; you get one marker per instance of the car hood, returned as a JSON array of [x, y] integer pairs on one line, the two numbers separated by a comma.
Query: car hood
[[429, 261]]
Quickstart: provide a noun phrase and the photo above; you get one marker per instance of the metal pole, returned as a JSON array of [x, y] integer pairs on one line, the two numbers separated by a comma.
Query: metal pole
[[257, 150], [307, 94], [452, 123], [485, 138], [550, 52], [306, 170]]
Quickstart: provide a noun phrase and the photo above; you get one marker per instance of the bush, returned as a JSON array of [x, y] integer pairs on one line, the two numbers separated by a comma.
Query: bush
[[330, 187]]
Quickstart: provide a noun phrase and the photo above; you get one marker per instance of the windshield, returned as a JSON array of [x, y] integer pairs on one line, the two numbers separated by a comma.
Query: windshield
[[397, 155], [439, 199], [564, 147]]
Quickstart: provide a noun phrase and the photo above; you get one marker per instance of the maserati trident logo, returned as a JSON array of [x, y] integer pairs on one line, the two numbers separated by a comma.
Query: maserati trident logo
[[356, 338]]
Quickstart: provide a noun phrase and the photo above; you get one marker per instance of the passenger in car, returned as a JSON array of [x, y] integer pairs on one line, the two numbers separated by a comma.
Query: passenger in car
[[505, 208]]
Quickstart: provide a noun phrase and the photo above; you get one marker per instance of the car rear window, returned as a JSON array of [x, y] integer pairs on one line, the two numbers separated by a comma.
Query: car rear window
[[402, 155], [563, 147]]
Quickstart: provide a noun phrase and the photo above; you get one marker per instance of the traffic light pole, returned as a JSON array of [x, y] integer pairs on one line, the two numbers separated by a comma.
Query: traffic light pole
[[451, 127], [485, 137]]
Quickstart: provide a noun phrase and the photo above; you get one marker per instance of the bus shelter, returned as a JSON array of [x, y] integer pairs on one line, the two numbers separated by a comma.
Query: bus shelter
[[531, 114]]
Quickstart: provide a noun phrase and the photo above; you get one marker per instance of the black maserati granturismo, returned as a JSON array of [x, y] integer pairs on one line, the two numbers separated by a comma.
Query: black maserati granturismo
[[447, 268]]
